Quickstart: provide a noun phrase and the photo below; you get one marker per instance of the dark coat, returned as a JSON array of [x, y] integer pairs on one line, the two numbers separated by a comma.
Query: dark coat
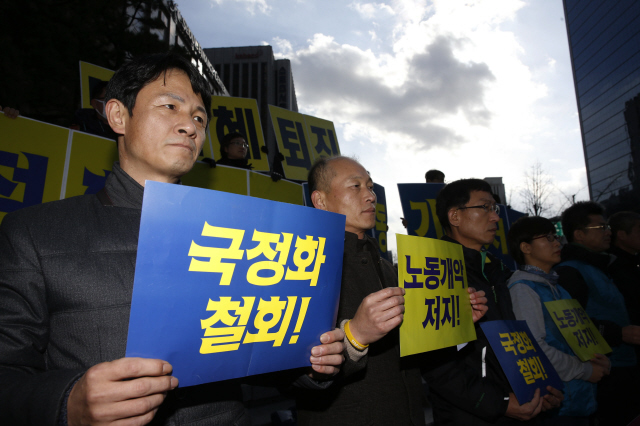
[[459, 392], [377, 390], [66, 280]]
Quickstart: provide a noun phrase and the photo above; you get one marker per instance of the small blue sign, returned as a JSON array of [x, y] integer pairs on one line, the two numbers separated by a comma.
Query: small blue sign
[[229, 286], [524, 363]]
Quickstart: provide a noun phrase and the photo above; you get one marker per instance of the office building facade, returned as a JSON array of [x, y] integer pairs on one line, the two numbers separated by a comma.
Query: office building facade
[[604, 42]]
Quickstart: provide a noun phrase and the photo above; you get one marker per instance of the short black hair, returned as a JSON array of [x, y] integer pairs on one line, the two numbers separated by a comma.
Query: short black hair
[[457, 194], [130, 78], [321, 173], [623, 221], [577, 217], [433, 175], [226, 140], [523, 230]]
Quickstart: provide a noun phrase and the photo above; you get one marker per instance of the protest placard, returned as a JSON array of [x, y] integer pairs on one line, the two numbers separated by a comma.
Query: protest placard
[[524, 363], [577, 328], [437, 310], [228, 286]]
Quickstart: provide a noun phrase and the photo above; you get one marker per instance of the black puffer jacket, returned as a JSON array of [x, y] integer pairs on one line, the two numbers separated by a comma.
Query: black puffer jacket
[[468, 387]]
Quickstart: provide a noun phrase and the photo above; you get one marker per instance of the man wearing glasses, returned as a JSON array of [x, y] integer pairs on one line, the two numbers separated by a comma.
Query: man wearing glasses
[[584, 274], [470, 387]]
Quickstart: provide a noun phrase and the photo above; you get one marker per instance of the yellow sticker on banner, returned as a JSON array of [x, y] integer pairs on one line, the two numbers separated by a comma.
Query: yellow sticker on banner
[[262, 186], [90, 75], [577, 328], [437, 309], [32, 159], [322, 137], [293, 142], [90, 163], [238, 115]]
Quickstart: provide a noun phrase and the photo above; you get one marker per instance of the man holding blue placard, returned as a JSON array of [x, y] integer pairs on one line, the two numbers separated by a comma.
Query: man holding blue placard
[[67, 268], [470, 387]]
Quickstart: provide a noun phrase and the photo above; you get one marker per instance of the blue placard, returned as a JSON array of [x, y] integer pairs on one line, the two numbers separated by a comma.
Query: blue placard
[[379, 231], [228, 286], [521, 358], [419, 208]]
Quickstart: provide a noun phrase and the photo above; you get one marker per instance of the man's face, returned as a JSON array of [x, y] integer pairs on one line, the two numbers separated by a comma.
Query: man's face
[[352, 195], [474, 227], [237, 149], [629, 242], [595, 236], [164, 135]]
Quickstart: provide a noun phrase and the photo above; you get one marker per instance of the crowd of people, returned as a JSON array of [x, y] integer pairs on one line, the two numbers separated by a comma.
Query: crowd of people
[[66, 280]]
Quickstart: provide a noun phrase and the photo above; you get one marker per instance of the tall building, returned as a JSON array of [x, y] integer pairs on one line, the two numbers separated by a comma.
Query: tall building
[[497, 187], [253, 72], [604, 42]]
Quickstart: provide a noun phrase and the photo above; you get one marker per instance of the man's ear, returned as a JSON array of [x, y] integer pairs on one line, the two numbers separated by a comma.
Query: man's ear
[[318, 198], [525, 248], [454, 218], [117, 115], [578, 236]]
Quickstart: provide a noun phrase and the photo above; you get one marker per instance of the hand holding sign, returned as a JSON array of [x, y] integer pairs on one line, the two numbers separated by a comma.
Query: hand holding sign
[[378, 314], [327, 358], [127, 388], [525, 411], [553, 399], [478, 303], [601, 367], [631, 334]]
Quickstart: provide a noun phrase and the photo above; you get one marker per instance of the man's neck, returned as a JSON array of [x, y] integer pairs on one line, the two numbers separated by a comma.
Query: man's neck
[[626, 249], [464, 241]]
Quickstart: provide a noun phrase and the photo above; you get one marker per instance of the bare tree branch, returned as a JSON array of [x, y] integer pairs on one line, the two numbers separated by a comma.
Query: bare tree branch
[[537, 190]]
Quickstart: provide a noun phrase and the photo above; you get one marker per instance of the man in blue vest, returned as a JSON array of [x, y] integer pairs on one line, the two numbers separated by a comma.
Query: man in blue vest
[[584, 273]]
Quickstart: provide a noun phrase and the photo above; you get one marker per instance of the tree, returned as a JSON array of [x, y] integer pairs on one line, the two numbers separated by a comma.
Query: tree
[[537, 190]]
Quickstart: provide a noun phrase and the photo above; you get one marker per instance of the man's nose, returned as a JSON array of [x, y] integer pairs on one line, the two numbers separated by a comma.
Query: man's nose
[[186, 125]]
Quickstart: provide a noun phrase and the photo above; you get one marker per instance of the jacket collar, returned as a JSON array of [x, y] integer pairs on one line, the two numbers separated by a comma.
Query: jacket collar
[[577, 252], [123, 190]]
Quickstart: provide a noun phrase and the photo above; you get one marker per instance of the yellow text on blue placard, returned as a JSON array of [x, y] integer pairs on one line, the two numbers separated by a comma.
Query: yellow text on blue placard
[[531, 367], [226, 329], [308, 256]]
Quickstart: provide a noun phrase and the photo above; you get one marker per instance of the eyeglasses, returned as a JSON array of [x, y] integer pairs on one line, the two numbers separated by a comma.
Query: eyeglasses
[[242, 144], [550, 237], [600, 227], [488, 208]]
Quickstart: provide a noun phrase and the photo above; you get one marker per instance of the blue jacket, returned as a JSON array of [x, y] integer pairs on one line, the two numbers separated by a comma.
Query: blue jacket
[[579, 394]]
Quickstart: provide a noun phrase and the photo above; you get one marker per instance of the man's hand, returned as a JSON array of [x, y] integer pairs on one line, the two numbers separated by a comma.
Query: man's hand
[[631, 334], [553, 399], [478, 303], [525, 411], [601, 366], [327, 358], [378, 314], [127, 389]]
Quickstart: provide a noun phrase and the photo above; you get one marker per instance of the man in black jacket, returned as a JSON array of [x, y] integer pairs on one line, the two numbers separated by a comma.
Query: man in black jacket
[[470, 388], [374, 387], [67, 267]]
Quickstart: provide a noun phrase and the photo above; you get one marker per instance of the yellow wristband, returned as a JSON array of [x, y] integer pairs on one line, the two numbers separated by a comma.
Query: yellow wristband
[[359, 346]]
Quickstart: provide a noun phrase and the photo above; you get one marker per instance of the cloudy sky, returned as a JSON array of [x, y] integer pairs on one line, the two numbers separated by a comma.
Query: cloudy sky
[[475, 88]]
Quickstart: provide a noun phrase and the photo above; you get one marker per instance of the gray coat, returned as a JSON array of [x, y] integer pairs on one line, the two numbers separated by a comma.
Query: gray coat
[[66, 279]]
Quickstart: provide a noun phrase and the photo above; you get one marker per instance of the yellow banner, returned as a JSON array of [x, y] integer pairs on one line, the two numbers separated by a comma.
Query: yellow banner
[[32, 162], [577, 328], [437, 309], [322, 137], [293, 142], [89, 75], [237, 115], [262, 186], [90, 163]]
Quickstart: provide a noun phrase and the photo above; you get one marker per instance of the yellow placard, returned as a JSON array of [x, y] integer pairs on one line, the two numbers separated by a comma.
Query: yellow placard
[[437, 309], [577, 328], [220, 178], [237, 115], [262, 186], [90, 163], [32, 161], [89, 74], [293, 142], [322, 137]]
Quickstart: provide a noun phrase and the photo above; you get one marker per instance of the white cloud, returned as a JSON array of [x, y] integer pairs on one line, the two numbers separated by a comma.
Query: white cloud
[[251, 5], [371, 10]]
